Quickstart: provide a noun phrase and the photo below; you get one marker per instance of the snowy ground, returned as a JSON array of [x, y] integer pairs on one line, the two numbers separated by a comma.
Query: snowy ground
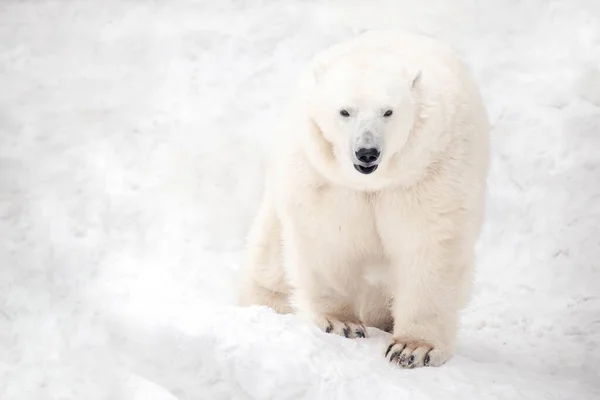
[[132, 136]]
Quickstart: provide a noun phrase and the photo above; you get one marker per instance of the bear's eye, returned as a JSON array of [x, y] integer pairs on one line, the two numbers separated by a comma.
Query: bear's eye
[[344, 113], [388, 113]]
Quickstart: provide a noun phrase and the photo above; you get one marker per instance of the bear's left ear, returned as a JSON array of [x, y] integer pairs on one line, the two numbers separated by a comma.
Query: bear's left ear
[[416, 79], [317, 72]]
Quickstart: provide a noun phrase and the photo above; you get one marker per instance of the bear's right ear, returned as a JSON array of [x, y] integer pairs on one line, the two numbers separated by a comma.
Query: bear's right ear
[[416, 79]]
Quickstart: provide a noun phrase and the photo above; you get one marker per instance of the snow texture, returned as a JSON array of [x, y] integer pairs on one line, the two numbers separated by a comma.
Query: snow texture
[[132, 144]]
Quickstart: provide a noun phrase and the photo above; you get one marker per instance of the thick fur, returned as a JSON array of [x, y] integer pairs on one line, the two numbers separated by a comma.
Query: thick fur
[[393, 249]]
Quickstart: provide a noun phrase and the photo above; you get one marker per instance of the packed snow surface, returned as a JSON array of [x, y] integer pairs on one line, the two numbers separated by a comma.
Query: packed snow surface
[[133, 136]]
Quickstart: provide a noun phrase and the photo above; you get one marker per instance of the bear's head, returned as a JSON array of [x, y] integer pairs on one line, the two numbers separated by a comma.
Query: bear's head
[[362, 106]]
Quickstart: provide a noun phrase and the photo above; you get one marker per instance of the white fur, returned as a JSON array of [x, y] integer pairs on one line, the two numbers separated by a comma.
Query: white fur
[[392, 247]]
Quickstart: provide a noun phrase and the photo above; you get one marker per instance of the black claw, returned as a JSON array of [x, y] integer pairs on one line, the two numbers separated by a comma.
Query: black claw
[[347, 331], [329, 328], [394, 355], [389, 348], [411, 360], [427, 359], [360, 333]]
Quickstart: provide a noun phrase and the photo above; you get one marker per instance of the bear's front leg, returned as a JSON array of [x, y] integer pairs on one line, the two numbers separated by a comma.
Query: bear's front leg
[[431, 282], [323, 284], [431, 261], [327, 231], [319, 296]]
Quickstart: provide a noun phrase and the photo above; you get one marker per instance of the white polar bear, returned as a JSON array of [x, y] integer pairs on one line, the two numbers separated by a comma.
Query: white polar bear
[[374, 196]]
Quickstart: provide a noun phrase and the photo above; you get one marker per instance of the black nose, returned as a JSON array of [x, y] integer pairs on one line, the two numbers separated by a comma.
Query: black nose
[[367, 156]]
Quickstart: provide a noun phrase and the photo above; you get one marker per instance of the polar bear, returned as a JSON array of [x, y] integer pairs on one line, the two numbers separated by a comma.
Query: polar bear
[[374, 196]]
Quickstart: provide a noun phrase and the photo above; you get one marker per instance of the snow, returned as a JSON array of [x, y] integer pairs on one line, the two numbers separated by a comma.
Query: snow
[[132, 140]]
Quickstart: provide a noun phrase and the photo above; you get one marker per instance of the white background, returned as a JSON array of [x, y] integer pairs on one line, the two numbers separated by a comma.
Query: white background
[[132, 142]]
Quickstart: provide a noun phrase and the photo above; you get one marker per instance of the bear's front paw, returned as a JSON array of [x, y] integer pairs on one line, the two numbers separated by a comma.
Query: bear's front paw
[[347, 329], [409, 353]]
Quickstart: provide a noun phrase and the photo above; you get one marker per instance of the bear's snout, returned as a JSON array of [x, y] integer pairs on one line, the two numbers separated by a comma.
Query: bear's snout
[[367, 156]]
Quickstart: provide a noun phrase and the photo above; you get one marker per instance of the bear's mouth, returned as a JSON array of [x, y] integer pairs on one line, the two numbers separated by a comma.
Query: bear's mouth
[[365, 170]]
